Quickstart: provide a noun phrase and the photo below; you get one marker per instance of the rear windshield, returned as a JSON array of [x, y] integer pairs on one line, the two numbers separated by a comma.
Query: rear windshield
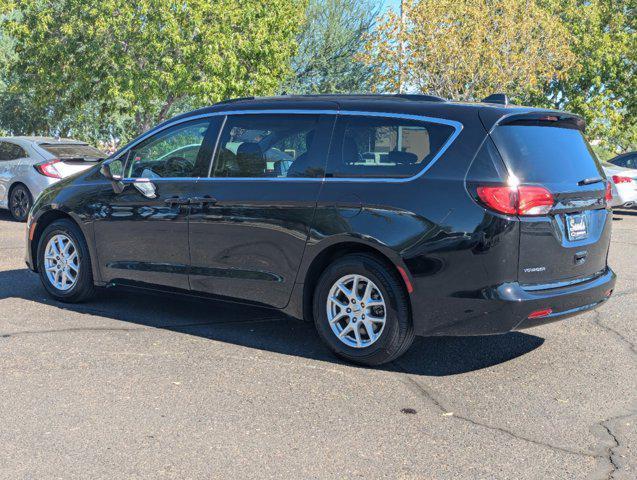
[[71, 150], [543, 154]]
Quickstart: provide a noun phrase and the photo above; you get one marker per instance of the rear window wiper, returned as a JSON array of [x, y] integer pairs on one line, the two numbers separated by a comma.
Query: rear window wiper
[[590, 181]]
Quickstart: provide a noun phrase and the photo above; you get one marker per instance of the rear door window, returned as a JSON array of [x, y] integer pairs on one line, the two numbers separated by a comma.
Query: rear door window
[[545, 154], [272, 146], [386, 147]]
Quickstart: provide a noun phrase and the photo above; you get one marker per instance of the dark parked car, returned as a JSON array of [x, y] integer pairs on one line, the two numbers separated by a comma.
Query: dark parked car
[[391, 216]]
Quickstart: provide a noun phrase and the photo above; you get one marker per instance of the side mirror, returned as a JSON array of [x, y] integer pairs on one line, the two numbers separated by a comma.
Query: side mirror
[[113, 170]]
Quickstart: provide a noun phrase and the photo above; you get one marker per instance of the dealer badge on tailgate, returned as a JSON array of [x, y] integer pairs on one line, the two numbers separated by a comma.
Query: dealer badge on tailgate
[[577, 226]]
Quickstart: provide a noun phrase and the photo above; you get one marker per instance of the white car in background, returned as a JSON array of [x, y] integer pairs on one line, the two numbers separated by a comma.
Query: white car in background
[[30, 164], [622, 172]]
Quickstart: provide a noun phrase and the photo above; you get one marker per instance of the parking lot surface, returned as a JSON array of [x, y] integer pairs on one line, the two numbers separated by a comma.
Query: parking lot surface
[[134, 385]]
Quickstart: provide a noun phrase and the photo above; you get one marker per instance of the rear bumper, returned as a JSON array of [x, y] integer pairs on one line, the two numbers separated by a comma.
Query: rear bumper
[[504, 308], [626, 194], [569, 301]]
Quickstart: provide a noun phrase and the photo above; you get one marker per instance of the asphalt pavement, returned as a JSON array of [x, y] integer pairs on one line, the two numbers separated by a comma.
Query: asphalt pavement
[[135, 385]]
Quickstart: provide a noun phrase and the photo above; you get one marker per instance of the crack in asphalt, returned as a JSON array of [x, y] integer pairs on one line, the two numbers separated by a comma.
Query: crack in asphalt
[[629, 343], [132, 329], [69, 330], [632, 291], [625, 243], [611, 451], [426, 393], [610, 455]]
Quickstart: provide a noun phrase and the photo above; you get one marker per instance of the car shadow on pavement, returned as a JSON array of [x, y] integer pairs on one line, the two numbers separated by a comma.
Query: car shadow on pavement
[[5, 215], [268, 330], [630, 213]]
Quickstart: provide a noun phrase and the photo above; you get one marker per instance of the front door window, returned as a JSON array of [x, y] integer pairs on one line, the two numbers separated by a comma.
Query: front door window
[[172, 153]]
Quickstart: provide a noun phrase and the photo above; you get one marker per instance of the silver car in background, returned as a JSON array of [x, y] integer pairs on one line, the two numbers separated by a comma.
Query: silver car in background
[[622, 172], [30, 164]]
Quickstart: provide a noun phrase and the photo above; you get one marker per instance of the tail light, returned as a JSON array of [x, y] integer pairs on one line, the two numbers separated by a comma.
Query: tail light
[[609, 192], [619, 179], [48, 168], [521, 200]]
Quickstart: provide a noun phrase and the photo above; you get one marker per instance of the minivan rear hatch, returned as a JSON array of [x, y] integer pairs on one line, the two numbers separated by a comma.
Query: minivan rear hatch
[[74, 157], [570, 242]]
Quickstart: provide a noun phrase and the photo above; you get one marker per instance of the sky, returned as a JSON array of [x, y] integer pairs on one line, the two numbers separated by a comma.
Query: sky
[[393, 4]]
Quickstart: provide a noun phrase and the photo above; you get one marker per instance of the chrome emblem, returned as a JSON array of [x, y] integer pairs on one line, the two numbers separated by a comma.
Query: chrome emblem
[[534, 269]]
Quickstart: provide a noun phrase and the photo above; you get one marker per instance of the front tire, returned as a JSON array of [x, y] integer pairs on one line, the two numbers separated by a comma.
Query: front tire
[[64, 263], [20, 202], [361, 310]]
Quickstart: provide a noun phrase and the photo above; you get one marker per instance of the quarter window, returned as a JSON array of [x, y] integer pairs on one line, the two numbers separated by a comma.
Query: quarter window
[[5, 154], [18, 151], [171, 153], [277, 146], [11, 151], [384, 147]]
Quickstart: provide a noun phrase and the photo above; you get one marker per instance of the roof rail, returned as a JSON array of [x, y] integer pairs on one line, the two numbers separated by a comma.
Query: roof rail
[[421, 97], [500, 98], [232, 100]]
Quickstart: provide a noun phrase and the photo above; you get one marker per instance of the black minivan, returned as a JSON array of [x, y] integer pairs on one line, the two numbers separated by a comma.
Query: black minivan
[[376, 217]]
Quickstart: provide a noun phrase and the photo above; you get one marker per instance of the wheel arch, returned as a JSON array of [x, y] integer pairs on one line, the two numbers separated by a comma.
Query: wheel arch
[[334, 251], [12, 187], [15, 184], [44, 220]]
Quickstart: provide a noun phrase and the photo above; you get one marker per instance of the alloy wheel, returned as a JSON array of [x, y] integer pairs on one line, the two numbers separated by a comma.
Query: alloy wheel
[[356, 311], [61, 262], [19, 203]]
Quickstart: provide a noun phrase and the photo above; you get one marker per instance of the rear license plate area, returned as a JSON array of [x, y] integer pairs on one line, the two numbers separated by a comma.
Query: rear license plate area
[[577, 226]]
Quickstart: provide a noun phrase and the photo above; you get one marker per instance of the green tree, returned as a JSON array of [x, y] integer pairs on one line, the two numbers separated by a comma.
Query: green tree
[[329, 43], [602, 84], [7, 57], [140, 61], [466, 50]]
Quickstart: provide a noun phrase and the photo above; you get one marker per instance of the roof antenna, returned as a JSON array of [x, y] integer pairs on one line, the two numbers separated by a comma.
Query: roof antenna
[[500, 98]]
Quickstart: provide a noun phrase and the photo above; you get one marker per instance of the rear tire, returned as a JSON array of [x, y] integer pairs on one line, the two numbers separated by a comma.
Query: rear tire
[[64, 263], [342, 319], [20, 202]]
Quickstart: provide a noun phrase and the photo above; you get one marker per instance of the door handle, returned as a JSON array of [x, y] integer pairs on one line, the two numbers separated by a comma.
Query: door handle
[[172, 201], [206, 199]]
